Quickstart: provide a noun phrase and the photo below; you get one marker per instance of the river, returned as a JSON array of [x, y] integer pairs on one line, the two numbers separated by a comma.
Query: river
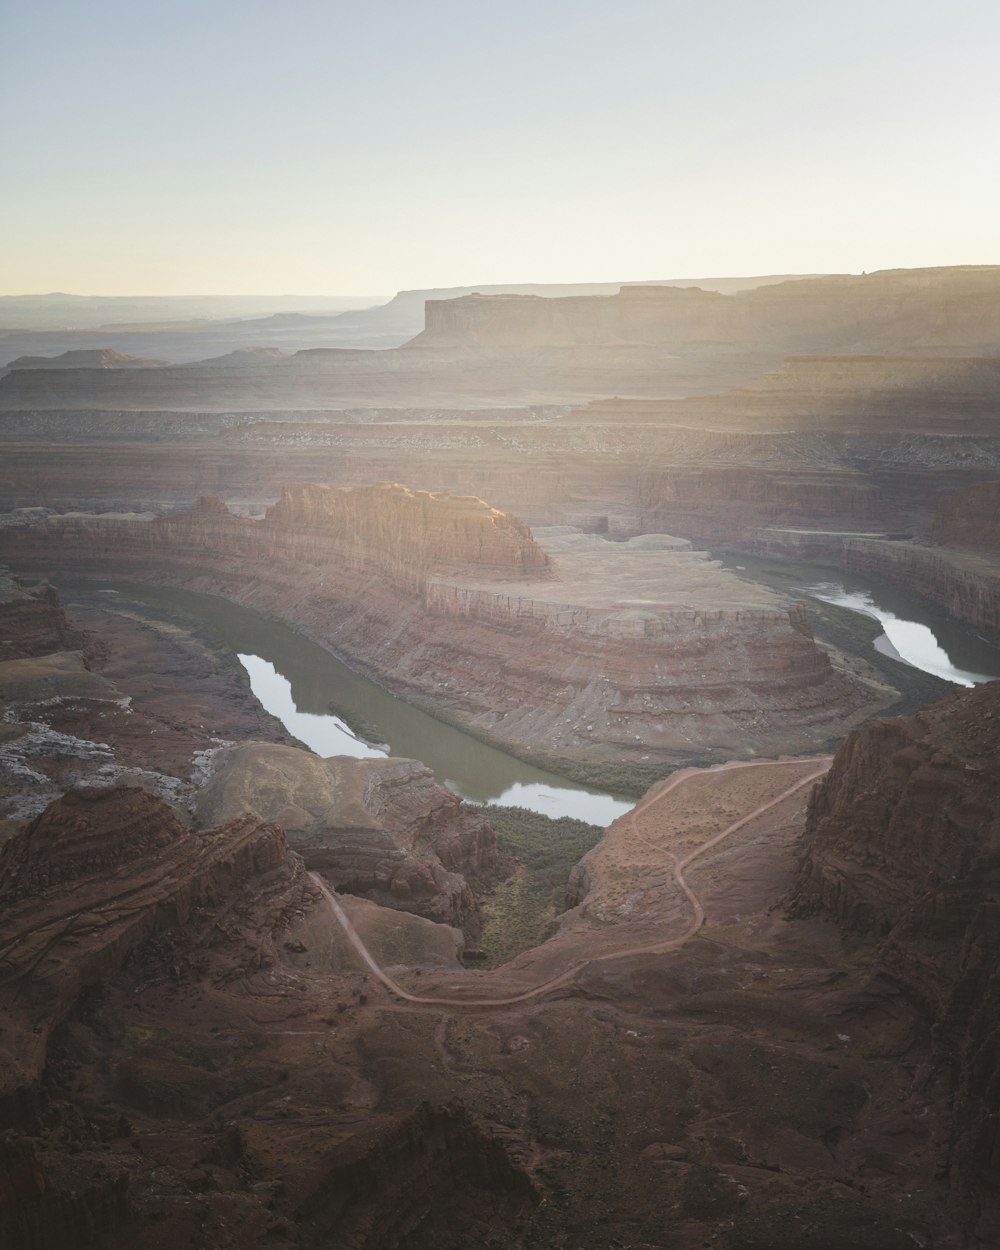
[[317, 699], [915, 631]]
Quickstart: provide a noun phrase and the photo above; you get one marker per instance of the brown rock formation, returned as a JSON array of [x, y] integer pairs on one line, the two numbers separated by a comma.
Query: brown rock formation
[[378, 827], [123, 937], [32, 622], [847, 443], [635, 648], [101, 872], [903, 844], [644, 341]]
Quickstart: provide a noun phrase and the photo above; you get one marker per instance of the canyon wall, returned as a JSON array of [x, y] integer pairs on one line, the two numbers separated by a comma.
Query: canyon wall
[[903, 845], [969, 519], [965, 583], [911, 309], [640, 649], [480, 350], [96, 847], [850, 443]]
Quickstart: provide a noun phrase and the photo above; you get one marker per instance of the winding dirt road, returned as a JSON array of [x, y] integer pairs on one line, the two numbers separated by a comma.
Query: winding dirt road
[[697, 917]]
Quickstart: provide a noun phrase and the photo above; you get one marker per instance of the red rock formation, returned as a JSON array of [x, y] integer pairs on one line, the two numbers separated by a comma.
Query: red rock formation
[[719, 505], [401, 534], [141, 985], [903, 844]]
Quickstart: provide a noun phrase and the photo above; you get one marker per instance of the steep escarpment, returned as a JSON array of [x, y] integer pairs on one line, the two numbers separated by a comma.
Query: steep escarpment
[[893, 309], [401, 534], [641, 648], [382, 828], [903, 845], [643, 341], [849, 443], [719, 505]]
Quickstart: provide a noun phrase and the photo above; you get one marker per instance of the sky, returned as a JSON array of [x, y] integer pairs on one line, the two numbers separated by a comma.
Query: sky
[[321, 147]]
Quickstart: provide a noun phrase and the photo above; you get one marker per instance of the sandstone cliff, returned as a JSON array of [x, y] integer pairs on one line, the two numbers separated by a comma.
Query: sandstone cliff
[[853, 443], [965, 583], [903, 845]]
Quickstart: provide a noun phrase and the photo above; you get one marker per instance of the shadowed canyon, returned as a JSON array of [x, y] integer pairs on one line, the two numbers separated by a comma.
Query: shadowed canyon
[[510, 767]]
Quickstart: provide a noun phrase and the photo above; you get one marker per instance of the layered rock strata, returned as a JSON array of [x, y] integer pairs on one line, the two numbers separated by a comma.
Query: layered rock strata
[[378, 827], [965, 583], [157, 994], [103, 871], [921, 308], [479, 350], [902, 845], [867, 444], [32, 622], [639, 648]]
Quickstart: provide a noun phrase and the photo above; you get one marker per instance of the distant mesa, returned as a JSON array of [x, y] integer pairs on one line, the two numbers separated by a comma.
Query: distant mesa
[[516, 347], [105, 358]]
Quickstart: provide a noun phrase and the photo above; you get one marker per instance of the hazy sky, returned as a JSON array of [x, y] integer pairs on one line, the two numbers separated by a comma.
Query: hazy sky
[[315, 146]]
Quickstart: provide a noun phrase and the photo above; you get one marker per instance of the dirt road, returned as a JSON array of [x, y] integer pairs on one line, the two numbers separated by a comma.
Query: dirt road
[[679, 865]]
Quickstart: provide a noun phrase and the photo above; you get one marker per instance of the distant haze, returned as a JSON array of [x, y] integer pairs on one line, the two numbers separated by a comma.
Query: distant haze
[[321, 147]]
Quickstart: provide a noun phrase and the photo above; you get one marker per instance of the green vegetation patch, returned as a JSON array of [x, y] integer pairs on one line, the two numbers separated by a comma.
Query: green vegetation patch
[[521, 912]]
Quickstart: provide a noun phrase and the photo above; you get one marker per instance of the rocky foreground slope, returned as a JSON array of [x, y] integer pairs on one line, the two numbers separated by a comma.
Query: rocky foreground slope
[[193, 1055], [584, 651], [902, 845], [147, 981]]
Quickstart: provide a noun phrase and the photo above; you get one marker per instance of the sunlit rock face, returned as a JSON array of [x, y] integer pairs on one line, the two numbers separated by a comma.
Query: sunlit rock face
[[568, 644]]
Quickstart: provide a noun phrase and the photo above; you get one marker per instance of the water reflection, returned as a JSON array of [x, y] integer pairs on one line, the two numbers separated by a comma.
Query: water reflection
[[328, 734], [324, 734], [911, 642], [314, 695]]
